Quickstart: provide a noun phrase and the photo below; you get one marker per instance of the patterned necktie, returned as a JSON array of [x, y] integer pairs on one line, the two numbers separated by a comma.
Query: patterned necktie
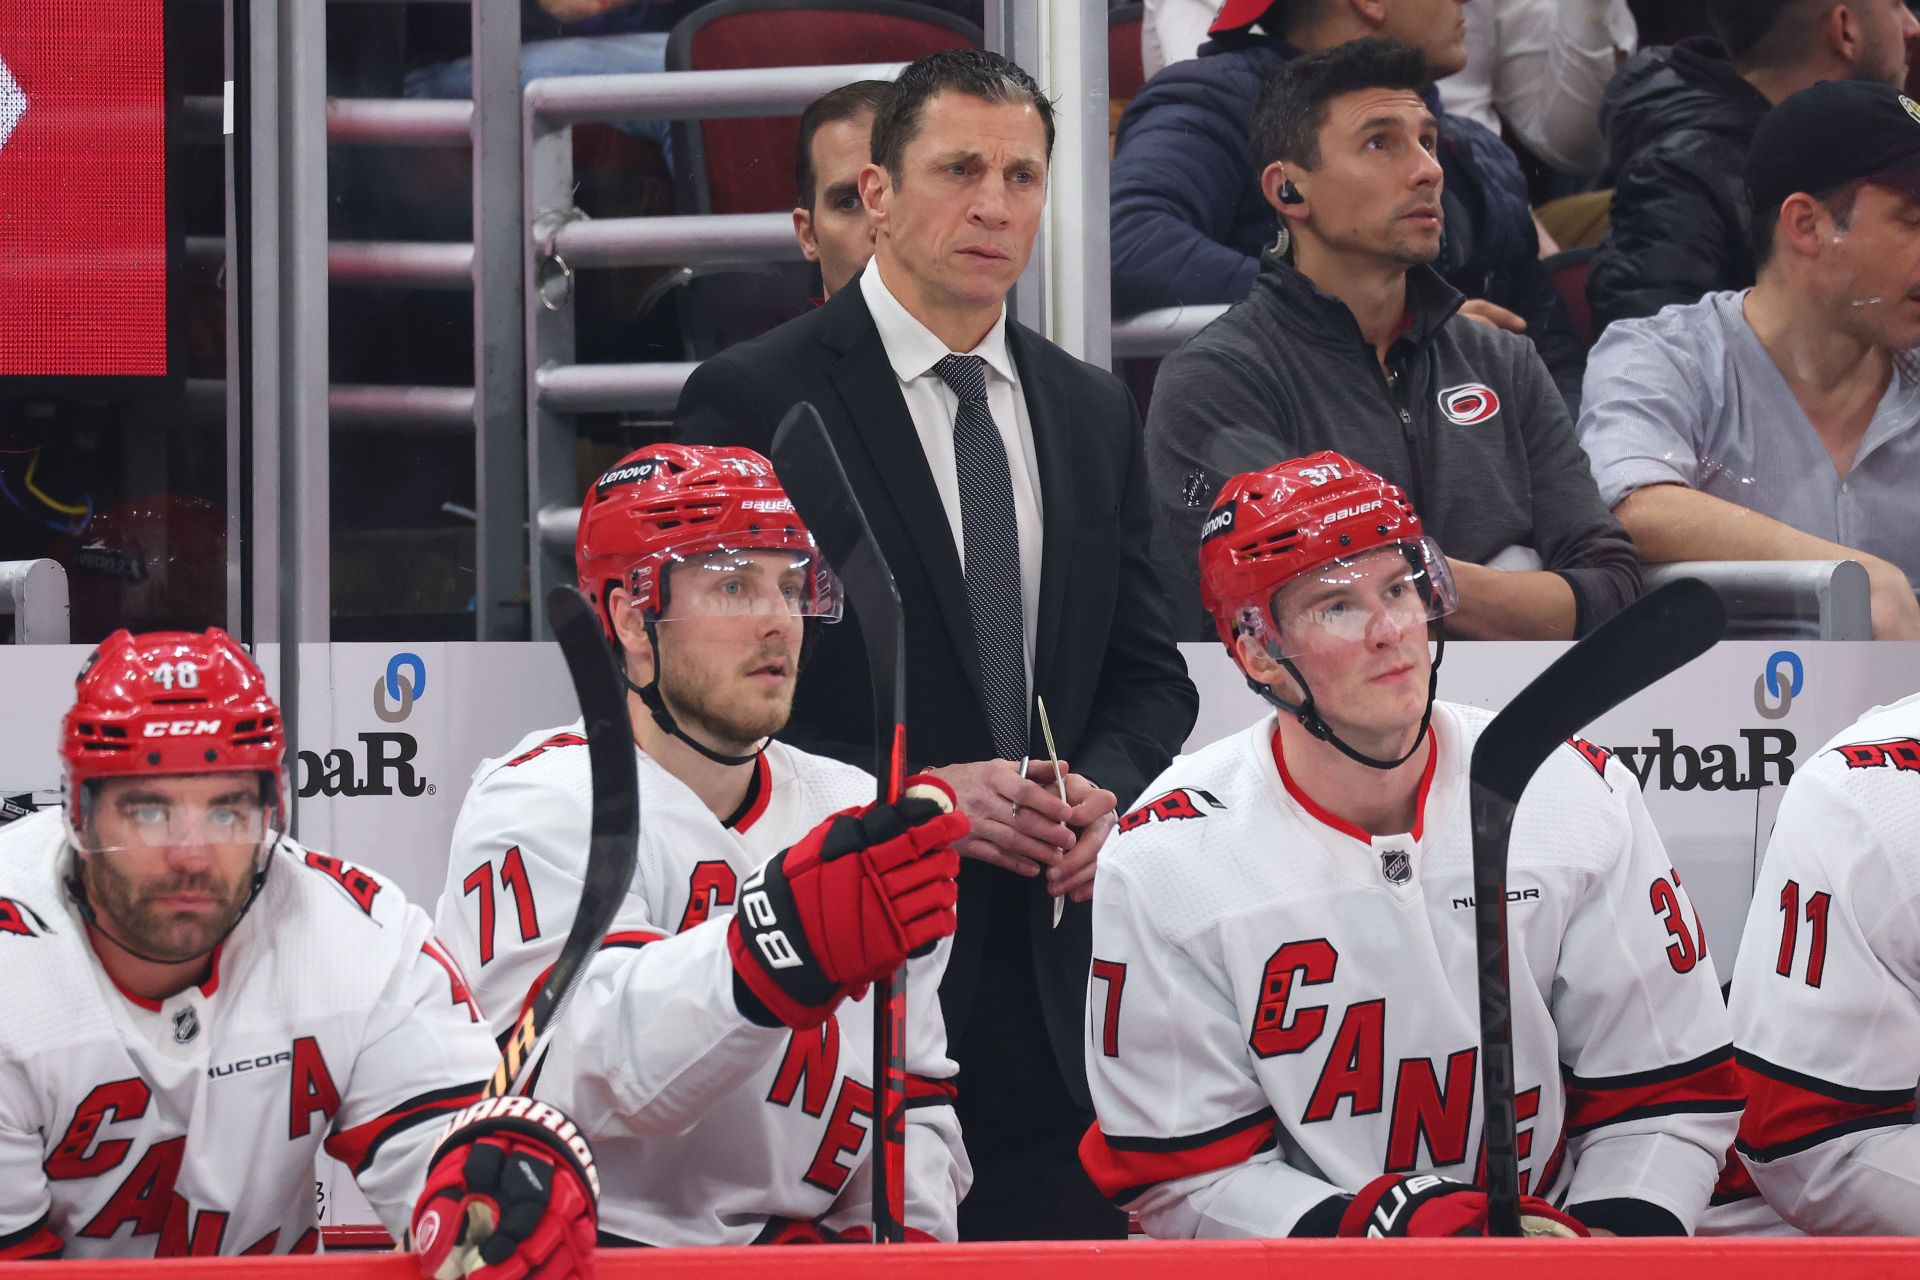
[[992, 550]]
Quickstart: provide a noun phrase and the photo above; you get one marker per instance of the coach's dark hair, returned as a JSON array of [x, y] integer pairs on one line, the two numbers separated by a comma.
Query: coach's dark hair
[[1293, 101], [1767, 35], [978, 73], [848, 102]]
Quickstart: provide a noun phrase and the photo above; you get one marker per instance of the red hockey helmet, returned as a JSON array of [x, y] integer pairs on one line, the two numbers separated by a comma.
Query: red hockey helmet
[[171, 702], [669, 504], [1316, 516]]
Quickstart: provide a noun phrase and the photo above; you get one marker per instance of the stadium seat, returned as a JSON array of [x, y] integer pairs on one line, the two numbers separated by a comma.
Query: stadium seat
[[746, 166], [1125, 73], [1568, 271]]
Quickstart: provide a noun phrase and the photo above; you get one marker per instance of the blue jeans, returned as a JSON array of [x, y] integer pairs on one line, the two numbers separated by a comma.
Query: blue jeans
[[568, 56]]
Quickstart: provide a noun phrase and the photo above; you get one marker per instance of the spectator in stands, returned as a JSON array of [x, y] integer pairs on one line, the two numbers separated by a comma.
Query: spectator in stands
[[836, 139], [1006, 489], [576, 38], [1679, 120], [1351, 341], [1189, 220], [1540, 67], [1783, 423]]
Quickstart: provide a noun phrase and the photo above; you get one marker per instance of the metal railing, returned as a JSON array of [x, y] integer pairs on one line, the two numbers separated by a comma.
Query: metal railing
[[1789, 599], [35, 593], [1160, 333], [562, 240]]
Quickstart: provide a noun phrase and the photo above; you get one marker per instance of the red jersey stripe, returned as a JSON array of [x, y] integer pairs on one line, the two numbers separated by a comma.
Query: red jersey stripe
[[1788, 1112], [1123, 1167], [1707, 1083]]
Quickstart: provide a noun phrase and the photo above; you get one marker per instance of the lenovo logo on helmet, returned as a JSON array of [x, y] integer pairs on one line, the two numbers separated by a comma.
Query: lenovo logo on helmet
[[630, 473], [1345, 512], [1469, 404], [180, 728], [1218, 523]]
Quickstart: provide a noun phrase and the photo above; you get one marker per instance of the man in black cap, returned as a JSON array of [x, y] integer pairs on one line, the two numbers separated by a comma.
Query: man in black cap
[[1782, 422]]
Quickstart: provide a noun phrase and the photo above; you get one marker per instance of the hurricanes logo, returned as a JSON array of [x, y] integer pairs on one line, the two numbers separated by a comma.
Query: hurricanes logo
[[1469, 404], [1913, 108]]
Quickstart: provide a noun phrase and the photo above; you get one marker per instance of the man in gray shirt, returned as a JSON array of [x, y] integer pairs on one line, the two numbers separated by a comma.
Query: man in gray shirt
[[1783, 422]]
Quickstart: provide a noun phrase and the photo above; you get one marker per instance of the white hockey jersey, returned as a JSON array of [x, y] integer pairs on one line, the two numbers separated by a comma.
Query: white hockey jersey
[[707, 1129], [1826, 991], [131, 1128], [1283, 1007]]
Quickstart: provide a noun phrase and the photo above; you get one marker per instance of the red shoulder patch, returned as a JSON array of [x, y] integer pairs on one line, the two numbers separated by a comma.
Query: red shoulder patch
[[556, 741], [1595, 756], [1901, 753], [360, 886], [1171, 807]]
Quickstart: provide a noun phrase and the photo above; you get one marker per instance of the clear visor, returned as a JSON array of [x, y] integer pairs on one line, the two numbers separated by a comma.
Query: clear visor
[[1378, 594], [137, 816], [750, 583]]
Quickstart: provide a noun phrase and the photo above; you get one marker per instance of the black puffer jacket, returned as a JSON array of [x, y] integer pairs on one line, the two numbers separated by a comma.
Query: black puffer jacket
[[1679, 120]]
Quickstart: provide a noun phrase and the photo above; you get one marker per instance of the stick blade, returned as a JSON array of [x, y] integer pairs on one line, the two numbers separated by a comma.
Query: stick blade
[[1643, 643]]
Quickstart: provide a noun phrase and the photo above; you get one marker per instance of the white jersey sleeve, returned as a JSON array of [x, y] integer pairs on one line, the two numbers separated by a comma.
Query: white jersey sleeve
[[1645, 1045], [26, 1197], [1187, 1138], [938, 1173], [1826, 992], [425, 1027], [645, 1045]]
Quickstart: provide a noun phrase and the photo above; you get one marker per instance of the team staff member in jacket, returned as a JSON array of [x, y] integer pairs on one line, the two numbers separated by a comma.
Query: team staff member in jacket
[[1285, 1039], [1189, 219], [1004, 482], [1351, 341]]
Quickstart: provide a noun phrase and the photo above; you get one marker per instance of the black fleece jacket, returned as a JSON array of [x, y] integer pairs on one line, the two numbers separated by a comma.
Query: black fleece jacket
[[1468, 423]]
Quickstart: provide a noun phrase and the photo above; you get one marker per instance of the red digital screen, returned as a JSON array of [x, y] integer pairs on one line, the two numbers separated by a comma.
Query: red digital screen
[[83, 209]]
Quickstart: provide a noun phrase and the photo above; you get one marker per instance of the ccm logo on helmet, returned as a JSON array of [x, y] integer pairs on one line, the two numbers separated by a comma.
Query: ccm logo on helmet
[[180, 728], [1219, 522], [1469, 404]]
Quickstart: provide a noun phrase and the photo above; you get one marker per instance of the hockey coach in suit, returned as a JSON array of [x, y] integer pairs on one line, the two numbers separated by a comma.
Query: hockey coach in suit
[[1005, 482]]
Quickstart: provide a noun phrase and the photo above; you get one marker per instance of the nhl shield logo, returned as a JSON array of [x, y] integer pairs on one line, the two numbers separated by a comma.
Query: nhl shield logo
[[186, 1025], [1396, 866]]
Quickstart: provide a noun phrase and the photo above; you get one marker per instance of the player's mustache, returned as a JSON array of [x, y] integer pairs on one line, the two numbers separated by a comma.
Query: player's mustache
[[198, 882]]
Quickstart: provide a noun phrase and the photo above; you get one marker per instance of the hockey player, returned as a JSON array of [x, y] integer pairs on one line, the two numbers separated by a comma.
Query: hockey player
[[195, 1007], [1826, 989], [727, 1073], [1283, 1023]]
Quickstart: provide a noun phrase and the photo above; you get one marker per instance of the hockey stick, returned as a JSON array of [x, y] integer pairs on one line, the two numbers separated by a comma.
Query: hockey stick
[[615, 841], [809, 468], [1645, 642]]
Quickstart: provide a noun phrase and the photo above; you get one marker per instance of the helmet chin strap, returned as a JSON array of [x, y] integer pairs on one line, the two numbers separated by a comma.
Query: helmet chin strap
[[1309, 715], [650, 695], [77, 893]]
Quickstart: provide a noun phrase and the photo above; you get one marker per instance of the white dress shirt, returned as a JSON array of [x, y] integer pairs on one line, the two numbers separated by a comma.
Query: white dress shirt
[[1542, 65], [913, 351]]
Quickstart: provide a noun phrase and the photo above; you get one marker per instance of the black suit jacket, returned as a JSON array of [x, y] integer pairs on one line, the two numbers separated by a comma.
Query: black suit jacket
[[1105, 659]]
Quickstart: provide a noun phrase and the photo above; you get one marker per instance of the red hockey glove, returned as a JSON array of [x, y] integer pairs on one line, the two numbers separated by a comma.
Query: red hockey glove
[[512, 1194], [845, 906], [1425, 1205]]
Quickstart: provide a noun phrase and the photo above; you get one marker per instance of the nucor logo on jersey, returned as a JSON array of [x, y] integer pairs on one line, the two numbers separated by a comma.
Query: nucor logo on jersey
[[1715, 767], [180, 728], [260, 1063], [1345, 512]]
